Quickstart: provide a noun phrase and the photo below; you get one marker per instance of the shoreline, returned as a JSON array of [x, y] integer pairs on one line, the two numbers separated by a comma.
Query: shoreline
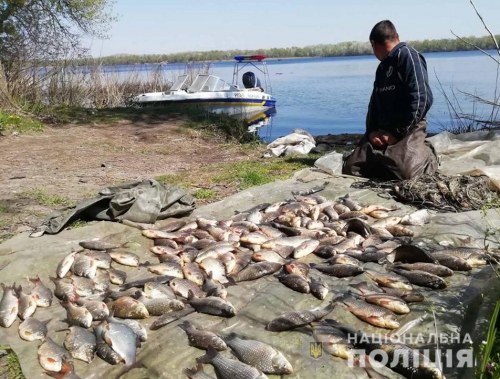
[[166, 63]]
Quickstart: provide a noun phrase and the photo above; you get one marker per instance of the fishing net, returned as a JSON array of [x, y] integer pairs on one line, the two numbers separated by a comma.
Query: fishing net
[[458, 193]]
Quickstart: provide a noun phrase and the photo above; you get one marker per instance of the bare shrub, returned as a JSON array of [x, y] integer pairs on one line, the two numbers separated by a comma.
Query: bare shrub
[[462, 122]]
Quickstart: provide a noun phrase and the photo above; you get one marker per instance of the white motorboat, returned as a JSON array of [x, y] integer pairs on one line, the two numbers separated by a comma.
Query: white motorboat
[[216, 95]]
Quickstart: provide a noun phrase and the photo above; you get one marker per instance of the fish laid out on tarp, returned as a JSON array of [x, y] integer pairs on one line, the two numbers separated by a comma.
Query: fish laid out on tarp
[[307, 243]]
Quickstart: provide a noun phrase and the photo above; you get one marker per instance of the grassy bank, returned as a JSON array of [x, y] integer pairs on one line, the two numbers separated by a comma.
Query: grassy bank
[[211, 156], [214, 181], [32, 119], [11, 122]]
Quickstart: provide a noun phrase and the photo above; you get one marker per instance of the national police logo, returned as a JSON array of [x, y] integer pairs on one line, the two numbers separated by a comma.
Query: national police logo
[[316, 350], [389, 71]]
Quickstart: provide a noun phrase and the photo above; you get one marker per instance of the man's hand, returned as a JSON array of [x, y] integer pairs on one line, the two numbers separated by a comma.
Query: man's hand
[[381, 139]]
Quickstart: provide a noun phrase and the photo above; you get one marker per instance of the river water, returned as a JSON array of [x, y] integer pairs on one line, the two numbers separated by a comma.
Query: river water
[[331, 95]]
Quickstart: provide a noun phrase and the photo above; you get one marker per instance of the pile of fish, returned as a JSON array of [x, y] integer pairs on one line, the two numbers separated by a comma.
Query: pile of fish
[[197, 261]]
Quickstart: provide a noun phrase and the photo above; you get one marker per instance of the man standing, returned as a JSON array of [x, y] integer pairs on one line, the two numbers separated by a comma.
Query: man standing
[[394, 145]]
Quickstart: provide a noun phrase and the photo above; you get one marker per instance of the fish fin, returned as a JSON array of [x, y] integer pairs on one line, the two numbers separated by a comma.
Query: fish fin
[[55, 374], [46, 321], [194, 370], [137, 294], [35, 280], [209, 356], [66, 366], [190, 295], [18, 289], [122, 245], [110, 317], [331, 306], [127, 368], [339, 298], [358, 285], [388, 264], [190, 371]]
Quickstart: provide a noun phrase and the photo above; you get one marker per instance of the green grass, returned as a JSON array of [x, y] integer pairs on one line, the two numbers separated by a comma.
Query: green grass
[[13, 123], [180, 180], [4, 208], [258, 172], [194, 117], [41, 196], [6, 236], [488, 354], [78, 224], [204, 194], [13, 365], [35, 213]]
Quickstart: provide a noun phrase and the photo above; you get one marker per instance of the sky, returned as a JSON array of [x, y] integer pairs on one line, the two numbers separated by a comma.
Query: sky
[[171, 26]]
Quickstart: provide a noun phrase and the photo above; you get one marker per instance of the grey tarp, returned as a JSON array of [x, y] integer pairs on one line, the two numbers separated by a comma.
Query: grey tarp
[[141, 201], [464, 307]]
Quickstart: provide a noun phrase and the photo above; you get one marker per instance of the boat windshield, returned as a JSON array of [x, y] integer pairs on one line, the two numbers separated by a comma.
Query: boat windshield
[[179, 83], [209, 83]]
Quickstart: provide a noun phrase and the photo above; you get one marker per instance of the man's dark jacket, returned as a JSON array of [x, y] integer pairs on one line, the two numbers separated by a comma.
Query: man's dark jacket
[[401, 95]]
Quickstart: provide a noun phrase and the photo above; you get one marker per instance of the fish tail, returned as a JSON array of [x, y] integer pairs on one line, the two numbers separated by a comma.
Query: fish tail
[[107, 294], [129, 367], [185, 325], [230, 337], [230, 281], [209, 356]]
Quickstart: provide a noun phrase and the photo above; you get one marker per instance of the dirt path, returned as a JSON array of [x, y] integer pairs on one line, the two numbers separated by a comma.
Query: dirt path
[[44, 171]]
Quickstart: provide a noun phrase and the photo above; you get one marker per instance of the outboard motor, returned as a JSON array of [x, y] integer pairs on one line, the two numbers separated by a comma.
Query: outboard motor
[[250, 80]]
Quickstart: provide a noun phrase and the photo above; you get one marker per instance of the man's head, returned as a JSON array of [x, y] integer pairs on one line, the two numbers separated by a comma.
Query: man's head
[[383, 38]]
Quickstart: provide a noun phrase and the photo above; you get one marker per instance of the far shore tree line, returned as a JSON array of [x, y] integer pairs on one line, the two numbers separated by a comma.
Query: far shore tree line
[[41, 41], [324, 50]]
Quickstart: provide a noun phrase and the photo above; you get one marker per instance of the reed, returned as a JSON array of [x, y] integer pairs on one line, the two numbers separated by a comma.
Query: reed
[[92, 87]]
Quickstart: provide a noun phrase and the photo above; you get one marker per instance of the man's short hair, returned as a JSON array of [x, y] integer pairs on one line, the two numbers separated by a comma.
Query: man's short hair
[[383, 32]]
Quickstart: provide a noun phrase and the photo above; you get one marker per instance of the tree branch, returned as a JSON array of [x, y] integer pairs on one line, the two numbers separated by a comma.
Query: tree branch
[[486, 27], [476, 47]]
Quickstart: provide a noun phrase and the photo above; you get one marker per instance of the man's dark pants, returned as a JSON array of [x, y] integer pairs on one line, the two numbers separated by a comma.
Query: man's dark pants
[[410, 157]]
